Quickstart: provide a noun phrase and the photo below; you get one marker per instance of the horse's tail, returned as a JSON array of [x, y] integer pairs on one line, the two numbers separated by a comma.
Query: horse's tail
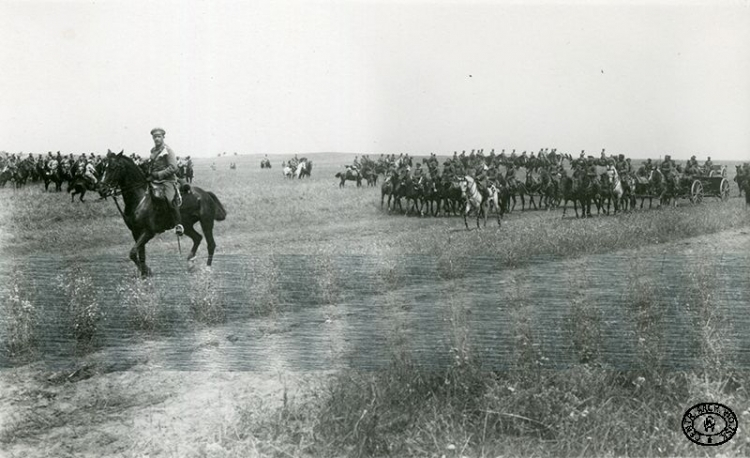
[[338, 175], [221, 213]]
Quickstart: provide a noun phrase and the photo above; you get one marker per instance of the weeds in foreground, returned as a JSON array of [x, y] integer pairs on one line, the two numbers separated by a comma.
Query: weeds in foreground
[[462, 409], [20, 320], [143, 301], [206, 300], [266, 292], [83, 308]]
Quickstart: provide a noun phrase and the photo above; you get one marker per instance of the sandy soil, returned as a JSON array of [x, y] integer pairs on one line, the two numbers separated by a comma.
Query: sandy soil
[[84, 411]]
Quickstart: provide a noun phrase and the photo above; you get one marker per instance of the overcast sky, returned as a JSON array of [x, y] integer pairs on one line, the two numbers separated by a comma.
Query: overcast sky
[[640, 78]]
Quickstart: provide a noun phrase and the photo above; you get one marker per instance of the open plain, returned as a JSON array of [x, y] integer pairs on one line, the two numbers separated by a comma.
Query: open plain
[[330, 327]]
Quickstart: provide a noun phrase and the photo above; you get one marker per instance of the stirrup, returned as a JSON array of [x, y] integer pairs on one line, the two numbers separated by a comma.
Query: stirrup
[[179, 230]]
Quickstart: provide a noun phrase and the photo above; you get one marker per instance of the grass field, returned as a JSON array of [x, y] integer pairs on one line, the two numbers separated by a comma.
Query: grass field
[[100, 406]]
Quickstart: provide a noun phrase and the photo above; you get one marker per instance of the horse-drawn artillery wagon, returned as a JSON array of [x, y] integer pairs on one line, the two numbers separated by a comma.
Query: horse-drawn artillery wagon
[[709, 183], [673, 187]]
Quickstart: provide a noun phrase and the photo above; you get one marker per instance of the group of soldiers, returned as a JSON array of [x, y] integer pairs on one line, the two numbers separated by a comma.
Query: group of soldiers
[[87, 166], [546, 162], [293, 162]]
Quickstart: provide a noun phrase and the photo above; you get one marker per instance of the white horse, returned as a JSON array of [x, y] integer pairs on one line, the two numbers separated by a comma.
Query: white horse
[[288, 172], [614, 188], [473, 198], [300, 168], [493, 200]]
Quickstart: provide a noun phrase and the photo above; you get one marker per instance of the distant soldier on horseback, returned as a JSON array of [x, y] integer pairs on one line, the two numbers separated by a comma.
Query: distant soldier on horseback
[[355, 164], [510, 175], [52, 162], [667, 166], [88, 171], [482, 178], [603, 158], [163, 171], [708, 165], [591, 169], [692, 167], [418, 172], [648, 166]]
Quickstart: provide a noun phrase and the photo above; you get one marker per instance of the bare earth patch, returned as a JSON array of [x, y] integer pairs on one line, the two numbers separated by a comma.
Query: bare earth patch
[[139, 412]]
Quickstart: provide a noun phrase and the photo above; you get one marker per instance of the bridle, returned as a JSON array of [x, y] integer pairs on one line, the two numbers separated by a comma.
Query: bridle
[[113, 190]]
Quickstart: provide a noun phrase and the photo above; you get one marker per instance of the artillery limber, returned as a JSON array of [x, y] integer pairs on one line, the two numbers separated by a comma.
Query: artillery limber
[[686, 186], [710, 183]]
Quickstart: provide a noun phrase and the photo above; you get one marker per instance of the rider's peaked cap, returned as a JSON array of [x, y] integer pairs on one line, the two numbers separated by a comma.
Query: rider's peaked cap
[[157, 130]]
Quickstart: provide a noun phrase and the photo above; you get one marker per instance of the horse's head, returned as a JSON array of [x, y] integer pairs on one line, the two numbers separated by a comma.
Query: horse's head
[[463, 185], [119, 171]]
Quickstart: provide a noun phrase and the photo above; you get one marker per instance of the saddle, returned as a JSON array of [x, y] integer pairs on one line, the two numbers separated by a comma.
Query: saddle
[[158, 191]]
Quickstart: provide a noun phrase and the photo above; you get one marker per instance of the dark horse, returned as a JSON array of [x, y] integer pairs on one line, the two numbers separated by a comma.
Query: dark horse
[[79, 185], [744, 184], [147, 216], [351, 175], [53, 176]]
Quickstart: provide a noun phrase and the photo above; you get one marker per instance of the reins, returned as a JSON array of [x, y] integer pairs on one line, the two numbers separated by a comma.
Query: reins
[[116, 191]]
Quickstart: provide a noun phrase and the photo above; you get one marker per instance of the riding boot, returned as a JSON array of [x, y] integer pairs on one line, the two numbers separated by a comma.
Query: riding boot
[[178, 229]]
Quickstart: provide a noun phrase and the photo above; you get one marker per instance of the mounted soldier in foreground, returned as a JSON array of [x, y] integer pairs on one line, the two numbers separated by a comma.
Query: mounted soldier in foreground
[[146, 215], [163, 176]]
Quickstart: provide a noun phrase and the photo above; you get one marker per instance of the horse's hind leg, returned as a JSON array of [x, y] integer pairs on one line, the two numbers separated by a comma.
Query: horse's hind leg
[[195, 237], [208, 232]]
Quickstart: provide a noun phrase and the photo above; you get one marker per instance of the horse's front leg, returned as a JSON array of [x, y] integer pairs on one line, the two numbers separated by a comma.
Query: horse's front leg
[[138, 253]]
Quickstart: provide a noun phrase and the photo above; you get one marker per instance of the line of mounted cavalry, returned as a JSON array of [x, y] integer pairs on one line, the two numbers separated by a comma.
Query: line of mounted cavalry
[[483, 183], [81, 173]]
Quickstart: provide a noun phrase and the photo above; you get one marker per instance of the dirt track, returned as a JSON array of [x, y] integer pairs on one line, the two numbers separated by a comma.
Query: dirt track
[[139, 412]]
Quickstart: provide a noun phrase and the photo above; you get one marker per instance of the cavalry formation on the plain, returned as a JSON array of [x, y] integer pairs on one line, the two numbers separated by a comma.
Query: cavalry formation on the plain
[[479, 182], [81, 173], [463, 182]]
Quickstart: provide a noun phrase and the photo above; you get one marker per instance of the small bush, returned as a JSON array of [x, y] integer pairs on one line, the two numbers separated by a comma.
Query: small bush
[[206, 300], [84, 310], [21, 321], [143, 301]]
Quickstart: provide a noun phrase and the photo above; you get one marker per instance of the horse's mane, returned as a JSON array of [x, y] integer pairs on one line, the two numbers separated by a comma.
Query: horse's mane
[[131, 167]]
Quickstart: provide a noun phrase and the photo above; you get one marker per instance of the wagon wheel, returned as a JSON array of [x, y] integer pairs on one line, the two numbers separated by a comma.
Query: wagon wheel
[[696, 192], [724, 189]]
